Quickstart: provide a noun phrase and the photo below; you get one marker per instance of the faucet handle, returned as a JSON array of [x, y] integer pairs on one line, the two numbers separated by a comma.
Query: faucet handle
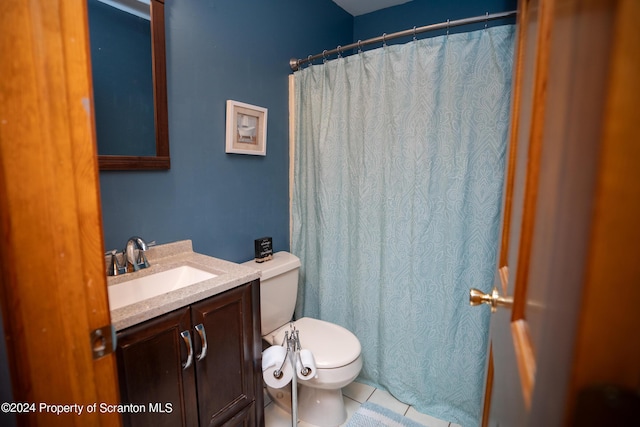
[[142, 259], [115, 268]]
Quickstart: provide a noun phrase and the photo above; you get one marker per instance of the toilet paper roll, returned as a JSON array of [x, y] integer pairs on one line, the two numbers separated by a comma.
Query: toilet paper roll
[[273, 356], [272, 359], [308, 361], [273, 382]]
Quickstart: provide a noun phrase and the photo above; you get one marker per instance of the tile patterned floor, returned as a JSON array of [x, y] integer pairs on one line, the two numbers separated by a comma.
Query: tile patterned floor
[[354, 395]]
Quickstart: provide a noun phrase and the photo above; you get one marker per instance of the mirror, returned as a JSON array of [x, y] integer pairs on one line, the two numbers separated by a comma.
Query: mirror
[[129, 83]]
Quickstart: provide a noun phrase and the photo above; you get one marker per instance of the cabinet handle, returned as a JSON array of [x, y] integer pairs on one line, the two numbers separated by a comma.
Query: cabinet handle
[[203, 340], [186, 336]]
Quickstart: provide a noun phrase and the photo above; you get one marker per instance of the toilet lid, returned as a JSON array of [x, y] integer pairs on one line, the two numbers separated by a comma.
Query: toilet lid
[[332, 345]]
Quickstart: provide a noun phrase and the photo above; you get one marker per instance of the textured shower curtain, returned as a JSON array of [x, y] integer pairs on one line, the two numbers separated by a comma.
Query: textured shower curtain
[[399, 164]]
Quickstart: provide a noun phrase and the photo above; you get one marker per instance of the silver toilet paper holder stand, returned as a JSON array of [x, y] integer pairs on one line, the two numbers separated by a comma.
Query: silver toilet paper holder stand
[[292, 340], [293, 348]]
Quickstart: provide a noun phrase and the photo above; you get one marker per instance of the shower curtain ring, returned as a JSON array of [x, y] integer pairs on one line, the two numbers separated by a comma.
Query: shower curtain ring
[[359, 46], [414, 33], [309, 60], [384, 39], [448, 22], [486, 20], [338, 49], [324, 55]]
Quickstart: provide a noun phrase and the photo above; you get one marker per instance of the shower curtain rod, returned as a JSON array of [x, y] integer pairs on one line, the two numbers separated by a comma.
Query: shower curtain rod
[[295, 63]]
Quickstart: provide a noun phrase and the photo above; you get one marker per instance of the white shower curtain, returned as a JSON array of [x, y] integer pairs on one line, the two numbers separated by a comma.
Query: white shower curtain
[[398, 174]]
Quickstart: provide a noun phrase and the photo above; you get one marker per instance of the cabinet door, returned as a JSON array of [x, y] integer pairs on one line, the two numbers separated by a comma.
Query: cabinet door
[[245, 418], [150, 369], [225, 375]]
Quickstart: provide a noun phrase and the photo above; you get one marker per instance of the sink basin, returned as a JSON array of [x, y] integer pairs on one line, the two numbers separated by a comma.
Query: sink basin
[[136, 290]]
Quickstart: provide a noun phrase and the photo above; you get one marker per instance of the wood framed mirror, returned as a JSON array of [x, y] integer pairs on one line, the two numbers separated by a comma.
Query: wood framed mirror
[[130, 84]]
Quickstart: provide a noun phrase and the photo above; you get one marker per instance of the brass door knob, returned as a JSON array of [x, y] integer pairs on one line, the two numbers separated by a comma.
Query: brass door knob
[[477, 297]]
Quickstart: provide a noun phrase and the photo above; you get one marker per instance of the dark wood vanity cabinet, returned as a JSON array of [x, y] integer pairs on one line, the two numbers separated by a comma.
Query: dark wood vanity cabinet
[[149, 358], [222, 387]]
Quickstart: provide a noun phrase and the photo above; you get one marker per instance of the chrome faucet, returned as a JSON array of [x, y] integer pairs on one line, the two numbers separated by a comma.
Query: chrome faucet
[[136, 264]]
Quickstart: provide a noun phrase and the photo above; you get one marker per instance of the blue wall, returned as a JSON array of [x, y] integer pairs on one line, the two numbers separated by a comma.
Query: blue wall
[[219, 50]]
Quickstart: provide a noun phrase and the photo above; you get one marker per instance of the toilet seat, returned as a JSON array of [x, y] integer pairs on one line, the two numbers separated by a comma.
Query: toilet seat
[[332, 345]]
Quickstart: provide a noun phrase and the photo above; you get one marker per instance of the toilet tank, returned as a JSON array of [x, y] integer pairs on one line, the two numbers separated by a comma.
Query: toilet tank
[[278, 289]]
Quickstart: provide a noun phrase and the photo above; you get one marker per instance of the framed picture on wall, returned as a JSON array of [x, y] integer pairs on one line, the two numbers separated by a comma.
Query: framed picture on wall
[[246, 129]]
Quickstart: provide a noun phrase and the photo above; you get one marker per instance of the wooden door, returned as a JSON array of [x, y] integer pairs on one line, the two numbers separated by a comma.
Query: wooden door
[[225, 375], [156, 372], [53, 285], [572, 202]]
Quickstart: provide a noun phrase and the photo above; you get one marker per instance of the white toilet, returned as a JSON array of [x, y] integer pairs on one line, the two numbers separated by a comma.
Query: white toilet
[[335, 349]]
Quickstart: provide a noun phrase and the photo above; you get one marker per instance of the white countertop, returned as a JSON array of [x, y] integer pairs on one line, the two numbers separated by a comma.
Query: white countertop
[[169, 256]]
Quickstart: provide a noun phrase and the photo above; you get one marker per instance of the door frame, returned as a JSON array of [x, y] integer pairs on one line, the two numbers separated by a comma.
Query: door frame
[[53, 283]]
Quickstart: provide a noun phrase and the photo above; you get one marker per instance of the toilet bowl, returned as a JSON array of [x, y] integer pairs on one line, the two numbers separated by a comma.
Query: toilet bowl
[[336, 351]]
